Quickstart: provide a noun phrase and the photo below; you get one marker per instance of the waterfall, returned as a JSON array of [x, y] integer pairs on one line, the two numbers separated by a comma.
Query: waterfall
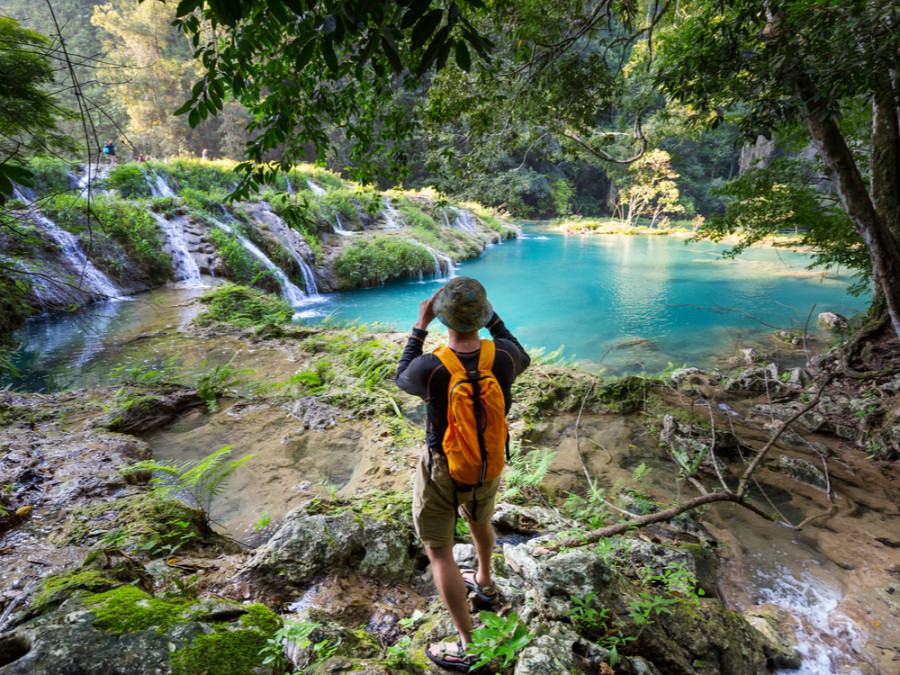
[[158, 186], [90, 176], [290, 188], [339, 226], [317, 190], [291, 240], [186, 267], [289, 290], [465, 222], [70, 248], [443, 263], [393, 220]]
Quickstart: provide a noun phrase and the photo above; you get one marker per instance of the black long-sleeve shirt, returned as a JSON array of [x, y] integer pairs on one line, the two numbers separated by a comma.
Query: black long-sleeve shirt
[[424, 375]]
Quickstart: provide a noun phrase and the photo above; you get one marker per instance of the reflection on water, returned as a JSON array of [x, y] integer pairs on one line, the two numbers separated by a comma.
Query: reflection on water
[[639, 303], [648, 301], [65, 350]]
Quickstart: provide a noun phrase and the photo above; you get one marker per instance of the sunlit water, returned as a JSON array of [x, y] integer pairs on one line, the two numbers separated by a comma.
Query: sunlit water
[[641, 301], [637, 303]]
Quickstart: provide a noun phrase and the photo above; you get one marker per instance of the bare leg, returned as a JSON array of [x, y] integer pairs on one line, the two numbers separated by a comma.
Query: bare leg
[[452, 590], [483, 538]]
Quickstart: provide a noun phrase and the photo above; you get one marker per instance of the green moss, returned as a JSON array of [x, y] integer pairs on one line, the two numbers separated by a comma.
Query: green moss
[[261, 618], [370, 262], [127, 609], [135, 520], [57, 587], [225, 652]]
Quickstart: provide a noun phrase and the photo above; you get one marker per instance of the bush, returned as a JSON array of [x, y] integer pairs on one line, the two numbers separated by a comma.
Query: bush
[[114, 227], [243, 306], [243, 267], [50, 175], [199, 175], [375, 261], [129, 180]]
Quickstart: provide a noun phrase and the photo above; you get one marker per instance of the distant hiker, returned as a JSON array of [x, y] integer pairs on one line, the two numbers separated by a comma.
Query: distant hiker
[[466, 386], [109, 149], [141, 159], [203, 155]]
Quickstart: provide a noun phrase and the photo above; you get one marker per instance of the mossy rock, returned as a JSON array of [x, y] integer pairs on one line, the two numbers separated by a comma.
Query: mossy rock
[[136, 521], [54, 589], [125, 631]]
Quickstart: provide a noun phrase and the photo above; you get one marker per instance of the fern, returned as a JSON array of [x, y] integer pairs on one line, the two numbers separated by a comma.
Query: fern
[[195, 483], [526, 471]]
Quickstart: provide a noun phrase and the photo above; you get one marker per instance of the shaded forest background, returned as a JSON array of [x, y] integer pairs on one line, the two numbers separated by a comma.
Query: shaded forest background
[[135, 69]]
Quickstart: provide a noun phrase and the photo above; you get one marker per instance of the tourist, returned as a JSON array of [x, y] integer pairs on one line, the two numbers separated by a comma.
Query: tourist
[[141, 159], [204, 155], [438, 498], [109, 149]]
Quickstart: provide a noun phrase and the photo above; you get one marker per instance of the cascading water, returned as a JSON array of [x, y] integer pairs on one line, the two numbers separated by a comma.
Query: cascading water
[[339, 226], [291, 242], [186, 268], [91, 175], [158, 185], [443, 264], [89, 275], [317, 189], [289, 290], [393, 220], [290, 188], [465, 222]]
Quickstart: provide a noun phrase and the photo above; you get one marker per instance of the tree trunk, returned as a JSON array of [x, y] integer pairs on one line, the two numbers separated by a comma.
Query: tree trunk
[[881, 242]]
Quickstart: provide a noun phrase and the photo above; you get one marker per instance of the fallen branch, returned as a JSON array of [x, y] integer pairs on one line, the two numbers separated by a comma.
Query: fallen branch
[[737, 497]]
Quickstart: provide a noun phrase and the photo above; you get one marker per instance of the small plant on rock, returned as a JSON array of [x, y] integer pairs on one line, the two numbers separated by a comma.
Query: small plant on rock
[[195, 483], [498, 638]]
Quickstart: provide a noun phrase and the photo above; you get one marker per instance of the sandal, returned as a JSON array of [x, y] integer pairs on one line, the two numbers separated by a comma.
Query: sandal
[[483, 593], [464, 662]]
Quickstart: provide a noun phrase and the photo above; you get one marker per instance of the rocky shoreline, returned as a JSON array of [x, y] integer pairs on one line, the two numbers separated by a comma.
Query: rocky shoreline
[[104, 576]]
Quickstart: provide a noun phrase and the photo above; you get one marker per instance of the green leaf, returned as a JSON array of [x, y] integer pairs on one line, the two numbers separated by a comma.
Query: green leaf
[[305, 55], [329, 55], [414, 12], [389, 47], [434, 48], [425, 28]]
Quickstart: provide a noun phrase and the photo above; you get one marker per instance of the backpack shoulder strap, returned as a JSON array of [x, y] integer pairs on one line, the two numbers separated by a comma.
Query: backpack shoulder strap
[[449, 359], [486, 356]]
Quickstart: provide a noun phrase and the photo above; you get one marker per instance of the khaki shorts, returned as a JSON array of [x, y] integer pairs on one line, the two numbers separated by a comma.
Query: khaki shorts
[[433, 502]]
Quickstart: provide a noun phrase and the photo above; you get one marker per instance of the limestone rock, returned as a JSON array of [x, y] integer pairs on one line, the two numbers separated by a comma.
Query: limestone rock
[[778, 629], [147, 413], [804, 471], [755, 379], [833, 320], [315, 415], [73, 639], [525, 519], [693, 377], [309, 545]]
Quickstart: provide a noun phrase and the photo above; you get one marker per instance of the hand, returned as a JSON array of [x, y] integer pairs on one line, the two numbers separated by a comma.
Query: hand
[[426, 311]]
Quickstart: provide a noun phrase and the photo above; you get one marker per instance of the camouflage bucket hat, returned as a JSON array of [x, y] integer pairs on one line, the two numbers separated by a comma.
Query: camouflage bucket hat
[[463, 305]]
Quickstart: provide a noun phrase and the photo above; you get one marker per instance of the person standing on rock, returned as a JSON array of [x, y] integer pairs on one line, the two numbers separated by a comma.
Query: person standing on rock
[[439, 497]]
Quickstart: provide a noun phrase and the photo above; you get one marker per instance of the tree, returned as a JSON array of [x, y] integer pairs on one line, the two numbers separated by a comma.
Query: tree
[[28, 114], [649, 189], [811, 62]]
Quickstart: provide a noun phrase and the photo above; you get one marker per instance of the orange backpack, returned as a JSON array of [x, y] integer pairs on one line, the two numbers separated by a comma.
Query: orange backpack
[[476, 433]]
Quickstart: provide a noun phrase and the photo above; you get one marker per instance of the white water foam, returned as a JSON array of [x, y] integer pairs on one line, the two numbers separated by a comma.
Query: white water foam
[[826, 639], [289, 290], [186, 268], [317, 189]]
